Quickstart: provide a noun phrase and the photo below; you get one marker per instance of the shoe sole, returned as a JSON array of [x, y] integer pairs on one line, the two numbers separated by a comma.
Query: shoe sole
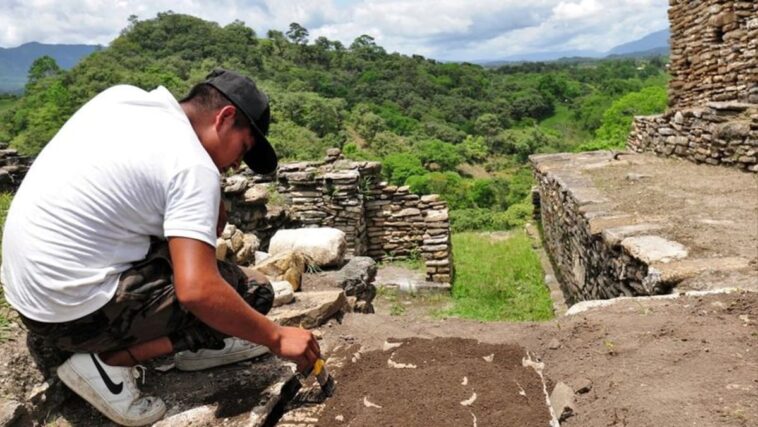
[[211, 362], [80, 386]]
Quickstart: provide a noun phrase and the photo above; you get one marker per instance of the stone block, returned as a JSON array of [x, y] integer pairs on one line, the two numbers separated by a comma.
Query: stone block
[[651, 249], [256, 195], [436, 215], [562, 401], [283, 292], [310, 309]]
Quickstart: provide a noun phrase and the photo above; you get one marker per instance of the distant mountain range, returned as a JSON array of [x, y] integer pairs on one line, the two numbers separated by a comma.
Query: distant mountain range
[[653, 44], [15, 62]]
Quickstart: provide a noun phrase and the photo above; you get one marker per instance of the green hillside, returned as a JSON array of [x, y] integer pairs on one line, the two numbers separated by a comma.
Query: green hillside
[[457, 129]]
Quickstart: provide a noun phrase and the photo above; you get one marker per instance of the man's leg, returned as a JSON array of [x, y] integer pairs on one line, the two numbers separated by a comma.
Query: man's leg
[[143, 320], [139, 352]]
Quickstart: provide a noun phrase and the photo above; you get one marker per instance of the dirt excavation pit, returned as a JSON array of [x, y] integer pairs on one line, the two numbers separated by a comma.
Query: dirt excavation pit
[[438, 382]]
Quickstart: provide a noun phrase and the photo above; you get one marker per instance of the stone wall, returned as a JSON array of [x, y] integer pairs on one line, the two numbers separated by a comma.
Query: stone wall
[[401, 225], [713, 52], [251, 209], [379, 220], [713, 91], [722, 133], [13, 168], [596, 252]]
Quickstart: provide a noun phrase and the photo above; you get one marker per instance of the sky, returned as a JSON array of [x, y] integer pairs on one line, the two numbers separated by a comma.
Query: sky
[[459, 30]]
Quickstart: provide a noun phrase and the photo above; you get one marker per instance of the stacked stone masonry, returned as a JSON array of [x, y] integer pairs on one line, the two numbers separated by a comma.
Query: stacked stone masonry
[[379, 220], [13, 168], [719, 134], [713, 52], [713, 91], [593, 250]]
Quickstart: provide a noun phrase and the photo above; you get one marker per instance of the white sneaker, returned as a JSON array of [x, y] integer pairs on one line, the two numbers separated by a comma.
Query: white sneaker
[[234, 350], [111, 389]]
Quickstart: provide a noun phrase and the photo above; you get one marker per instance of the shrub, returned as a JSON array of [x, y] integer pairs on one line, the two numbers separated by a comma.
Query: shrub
[[400, 166], [435, 151]]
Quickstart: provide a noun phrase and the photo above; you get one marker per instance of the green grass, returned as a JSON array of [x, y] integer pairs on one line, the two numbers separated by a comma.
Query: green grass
[[498, 280]]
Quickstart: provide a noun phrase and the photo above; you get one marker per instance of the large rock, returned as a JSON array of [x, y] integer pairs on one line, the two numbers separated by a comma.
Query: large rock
[[288, 266], [310, 309], [322, 246], [357, 278]]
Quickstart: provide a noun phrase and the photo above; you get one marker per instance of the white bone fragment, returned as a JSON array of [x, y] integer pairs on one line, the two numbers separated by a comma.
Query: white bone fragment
[[465, 381], [521, 389], [390, 345], [469, 401], [393, 364], [368, 404], [489, 358]]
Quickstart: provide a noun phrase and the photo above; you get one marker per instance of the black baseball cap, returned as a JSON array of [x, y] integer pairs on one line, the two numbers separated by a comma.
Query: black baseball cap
[[246, 96]]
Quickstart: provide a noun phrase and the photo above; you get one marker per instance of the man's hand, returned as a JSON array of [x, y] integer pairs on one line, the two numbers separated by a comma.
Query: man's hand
[[201, 289], [298, 345]]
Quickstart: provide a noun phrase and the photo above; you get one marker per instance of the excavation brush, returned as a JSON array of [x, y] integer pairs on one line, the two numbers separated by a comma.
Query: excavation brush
[[322, 376]]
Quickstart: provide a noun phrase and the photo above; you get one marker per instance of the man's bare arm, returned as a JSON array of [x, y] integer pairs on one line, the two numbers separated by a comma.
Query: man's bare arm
[[201, 289]]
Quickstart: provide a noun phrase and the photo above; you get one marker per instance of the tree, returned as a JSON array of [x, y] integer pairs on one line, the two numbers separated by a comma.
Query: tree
[[617, 120], [365, 47], [44, 66], [473, 149], [297, 34], [435, 152]]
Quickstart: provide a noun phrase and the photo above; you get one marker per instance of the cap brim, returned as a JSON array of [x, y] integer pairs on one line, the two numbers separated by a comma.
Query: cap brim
[[261, 158]]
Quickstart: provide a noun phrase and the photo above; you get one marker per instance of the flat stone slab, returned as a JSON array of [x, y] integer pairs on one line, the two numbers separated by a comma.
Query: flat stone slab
[[652, 249], [310, 309]]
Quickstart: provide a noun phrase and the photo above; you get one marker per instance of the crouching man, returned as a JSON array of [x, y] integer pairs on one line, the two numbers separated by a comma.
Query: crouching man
[[81, 261]]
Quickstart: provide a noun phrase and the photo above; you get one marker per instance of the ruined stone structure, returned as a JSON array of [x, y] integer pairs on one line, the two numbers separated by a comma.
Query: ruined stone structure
[[638, 225], [593, 248], [713, 92], [379, 220], [13, 168], [601, 251]]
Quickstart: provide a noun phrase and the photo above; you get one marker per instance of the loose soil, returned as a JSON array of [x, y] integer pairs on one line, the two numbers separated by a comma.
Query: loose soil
[[441, 382], [649, 363]]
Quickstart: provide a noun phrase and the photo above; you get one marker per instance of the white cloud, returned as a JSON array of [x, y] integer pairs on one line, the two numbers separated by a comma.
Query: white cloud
[[569, 10], [443, 29]]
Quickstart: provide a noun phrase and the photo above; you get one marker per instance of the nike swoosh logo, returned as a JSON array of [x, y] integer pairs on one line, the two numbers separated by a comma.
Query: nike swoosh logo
[[114, 388]]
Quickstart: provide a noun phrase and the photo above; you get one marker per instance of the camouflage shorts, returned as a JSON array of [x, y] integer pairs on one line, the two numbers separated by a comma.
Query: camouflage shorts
[[143, 308]]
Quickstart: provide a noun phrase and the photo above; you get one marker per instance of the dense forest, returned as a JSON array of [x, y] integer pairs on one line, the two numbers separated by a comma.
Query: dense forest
[[457, 129]]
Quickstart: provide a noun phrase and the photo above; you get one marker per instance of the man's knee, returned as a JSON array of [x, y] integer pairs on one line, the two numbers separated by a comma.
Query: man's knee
[[253, 286]]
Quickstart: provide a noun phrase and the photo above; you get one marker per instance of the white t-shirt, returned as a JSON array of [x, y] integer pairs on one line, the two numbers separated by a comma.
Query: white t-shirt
[[126, 166]]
